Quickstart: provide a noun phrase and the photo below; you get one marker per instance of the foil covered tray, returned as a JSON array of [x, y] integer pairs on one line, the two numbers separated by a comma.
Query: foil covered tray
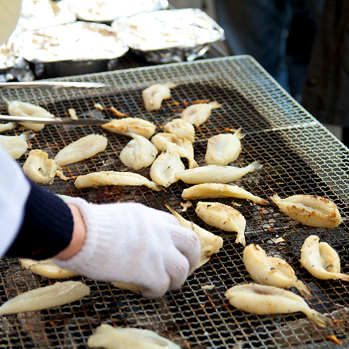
[[38, 14], [169, 35], [71, 49], [108, 10]]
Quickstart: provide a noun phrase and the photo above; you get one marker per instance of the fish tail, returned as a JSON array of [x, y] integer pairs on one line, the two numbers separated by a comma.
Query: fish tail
[[240, 239], [303, 289], [238, 133], [255, 166], [320, 319], [341, 276], [28, 134], [192, 163], [261, 201], [214, 105]]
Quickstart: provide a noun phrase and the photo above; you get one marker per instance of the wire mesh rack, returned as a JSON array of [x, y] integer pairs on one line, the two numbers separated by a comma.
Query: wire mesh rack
[[299, 156]]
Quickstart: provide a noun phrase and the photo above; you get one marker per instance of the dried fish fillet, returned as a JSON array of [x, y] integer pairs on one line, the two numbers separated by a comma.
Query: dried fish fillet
[[46, 297], [261, 299], [138, 153], [209, 242], [7, 127], [172, 142], [18, 108], [110, 337], [197, 114], [155, 94], [164, 168], [82, 149], [311, 210], [181, 128], [124, 286], [321, 260], [16, 146], [270, 270], [103, 178], [223, 149], [46, 268], [218, 190], [216, 174], [40, 169], [135, 125], [223, 217]]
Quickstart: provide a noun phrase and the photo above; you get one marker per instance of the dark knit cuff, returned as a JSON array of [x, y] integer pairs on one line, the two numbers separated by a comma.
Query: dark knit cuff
[[47, 226]]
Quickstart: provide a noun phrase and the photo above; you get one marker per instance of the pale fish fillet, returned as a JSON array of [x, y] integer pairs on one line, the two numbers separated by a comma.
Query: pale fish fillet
[[155, 94], [18, 108], [216, 174], [172, 142], [40, 169], [197, 114], [46, 297], [110, 337], [83, 148], [223, 217], [138, 153], [124, 286], [181, 128], [262, 299], [271, 271], [16, 146], [164, 168], [7, 127], [223, 149], [321, 260], [311, 210], [209, 242], [218, 190], [46, 268], [135, 125], [105, 178]]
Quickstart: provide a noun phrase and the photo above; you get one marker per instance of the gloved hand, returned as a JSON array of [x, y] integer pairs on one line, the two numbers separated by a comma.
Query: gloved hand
[[132, 243]]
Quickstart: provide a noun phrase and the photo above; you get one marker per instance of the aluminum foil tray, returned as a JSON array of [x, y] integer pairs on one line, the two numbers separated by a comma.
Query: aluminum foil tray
[[299, 156], [169, 36], [108, 10]]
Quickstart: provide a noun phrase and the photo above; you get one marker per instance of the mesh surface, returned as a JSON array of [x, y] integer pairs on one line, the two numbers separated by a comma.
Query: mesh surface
[[299, 156]]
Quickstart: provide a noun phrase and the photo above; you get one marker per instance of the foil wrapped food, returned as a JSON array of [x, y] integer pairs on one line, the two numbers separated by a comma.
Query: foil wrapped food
[[79, 41], [108, 10], [38, 14], [169, 35]]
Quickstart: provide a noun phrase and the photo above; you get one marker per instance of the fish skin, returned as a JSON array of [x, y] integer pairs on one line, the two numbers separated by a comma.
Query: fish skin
[[271, 271], [154, 95], [138, 153], [18, 108], [223, 217], [311, 210], [126, 126], [321, 260], [46, 297], [82, 149], [105, 178], [223, 149], [262, 300], [197, 114], [216, 174], [164, 168], [173, 142], [220, 190], [181, 128]]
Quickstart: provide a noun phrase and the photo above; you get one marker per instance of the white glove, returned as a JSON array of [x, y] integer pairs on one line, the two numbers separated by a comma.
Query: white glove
[[132, 243]]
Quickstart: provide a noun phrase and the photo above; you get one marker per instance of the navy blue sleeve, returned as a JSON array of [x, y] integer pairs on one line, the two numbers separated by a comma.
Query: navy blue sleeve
[[47, 226]]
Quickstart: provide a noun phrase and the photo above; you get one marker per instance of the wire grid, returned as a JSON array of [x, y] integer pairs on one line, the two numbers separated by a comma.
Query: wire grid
[[299, 156]]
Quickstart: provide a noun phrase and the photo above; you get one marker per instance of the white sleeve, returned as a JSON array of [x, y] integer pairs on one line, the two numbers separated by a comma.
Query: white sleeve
[[14, 191]]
